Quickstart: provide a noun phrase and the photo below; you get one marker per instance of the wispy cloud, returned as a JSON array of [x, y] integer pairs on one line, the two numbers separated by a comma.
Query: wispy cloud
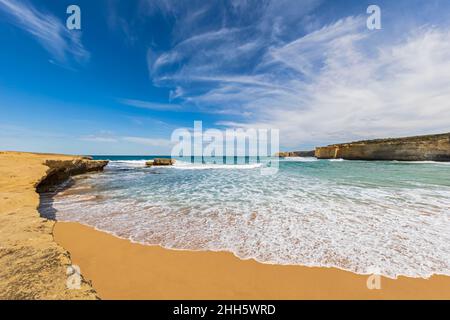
[[211, 66], [317, 83], [151, 142], [350, 91], [107, 137], [48, 30], [18, 131], [93, 138], [150, 105]]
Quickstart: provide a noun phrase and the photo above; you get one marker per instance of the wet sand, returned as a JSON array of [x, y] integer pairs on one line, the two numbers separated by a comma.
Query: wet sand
[[120, 269]]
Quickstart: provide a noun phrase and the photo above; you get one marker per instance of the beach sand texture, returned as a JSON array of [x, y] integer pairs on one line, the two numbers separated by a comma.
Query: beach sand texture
[[33, 265], [120, 269]]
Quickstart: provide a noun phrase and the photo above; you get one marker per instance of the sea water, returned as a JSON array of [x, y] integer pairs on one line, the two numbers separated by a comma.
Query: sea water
[[389, 218]]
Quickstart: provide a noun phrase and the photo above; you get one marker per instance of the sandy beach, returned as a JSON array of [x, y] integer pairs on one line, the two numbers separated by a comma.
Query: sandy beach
[[120, 269], [224, 150], [35, 253], [32, 265]]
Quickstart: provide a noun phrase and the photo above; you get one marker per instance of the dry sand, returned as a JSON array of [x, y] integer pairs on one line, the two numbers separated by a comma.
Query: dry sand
[[120, 269], [32, 265]]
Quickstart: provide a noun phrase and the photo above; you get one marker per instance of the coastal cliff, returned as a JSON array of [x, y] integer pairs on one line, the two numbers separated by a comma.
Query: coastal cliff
[[296, 154], [32, 264], [418, 148]]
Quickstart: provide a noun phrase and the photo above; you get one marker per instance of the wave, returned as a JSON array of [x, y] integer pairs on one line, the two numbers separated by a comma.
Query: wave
[[384, 216], [193, 166], [397, 161], [422, 162], [127, 163], [299, 159], [203, 166], [183, 165]]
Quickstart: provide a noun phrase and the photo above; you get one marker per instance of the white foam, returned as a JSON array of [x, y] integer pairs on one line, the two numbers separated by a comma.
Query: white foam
[[421, 162], [289, 218], [205, 166], [300, 159], [128, 163]]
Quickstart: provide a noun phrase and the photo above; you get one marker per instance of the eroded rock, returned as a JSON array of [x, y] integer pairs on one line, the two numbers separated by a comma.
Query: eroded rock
[[32, 264], [418, 148], [160, 162]]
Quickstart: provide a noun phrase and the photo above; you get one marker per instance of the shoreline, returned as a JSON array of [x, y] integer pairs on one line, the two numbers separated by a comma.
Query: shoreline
[[35, 253], [121, 269], [226, 251]]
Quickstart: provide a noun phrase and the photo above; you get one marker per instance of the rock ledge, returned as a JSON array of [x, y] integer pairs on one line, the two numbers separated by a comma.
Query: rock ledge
[[32, 264]]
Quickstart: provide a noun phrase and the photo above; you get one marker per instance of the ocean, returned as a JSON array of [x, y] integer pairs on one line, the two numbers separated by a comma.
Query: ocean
[[388, 218]]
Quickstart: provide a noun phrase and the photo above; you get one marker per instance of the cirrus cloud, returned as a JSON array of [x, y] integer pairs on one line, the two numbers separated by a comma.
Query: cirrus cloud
[[47, 29], [329, 83]]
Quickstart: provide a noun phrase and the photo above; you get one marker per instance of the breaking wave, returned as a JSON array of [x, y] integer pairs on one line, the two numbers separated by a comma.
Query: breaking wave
[[357, 216]]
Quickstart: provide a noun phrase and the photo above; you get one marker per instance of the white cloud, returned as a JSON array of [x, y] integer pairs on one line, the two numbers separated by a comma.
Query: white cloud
[[150, 105], [106, 137], [362, 92], [336, 83], [151, 142], [48, 30], [101, 139]]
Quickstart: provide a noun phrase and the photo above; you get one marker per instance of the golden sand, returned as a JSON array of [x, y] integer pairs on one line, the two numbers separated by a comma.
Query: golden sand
[[32, 265], [120, 269]]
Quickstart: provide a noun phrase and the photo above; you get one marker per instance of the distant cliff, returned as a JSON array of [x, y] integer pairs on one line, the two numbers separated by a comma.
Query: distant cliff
[[295, 154], [419, 148]]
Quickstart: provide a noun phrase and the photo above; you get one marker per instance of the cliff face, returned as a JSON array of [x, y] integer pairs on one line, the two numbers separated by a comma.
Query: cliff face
[[420, 148], [32, 265], [295, 154], [60, 170]]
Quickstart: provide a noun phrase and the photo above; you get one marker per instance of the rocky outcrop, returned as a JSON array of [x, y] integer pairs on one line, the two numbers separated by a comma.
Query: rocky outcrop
[[160, 162], [32, 264], [418, 148], [59, 171], [304, 154]]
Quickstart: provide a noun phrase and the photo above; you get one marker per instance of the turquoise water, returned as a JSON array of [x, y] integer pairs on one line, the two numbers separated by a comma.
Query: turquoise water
[[391, 218]]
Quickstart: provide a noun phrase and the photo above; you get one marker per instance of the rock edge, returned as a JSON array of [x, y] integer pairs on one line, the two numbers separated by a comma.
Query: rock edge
[[32, 264]]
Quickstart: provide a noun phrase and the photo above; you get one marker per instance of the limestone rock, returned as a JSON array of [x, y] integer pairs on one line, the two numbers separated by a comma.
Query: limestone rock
[[418, 148], [160, 162], [305, 154], [59, 171], [32, 264]]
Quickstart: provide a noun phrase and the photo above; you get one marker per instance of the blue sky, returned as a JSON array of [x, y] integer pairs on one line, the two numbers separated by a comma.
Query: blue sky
[[140, 69]]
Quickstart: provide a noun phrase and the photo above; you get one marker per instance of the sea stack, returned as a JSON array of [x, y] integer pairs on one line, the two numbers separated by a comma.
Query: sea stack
[[160, 162], [305, 154], [418, 148]]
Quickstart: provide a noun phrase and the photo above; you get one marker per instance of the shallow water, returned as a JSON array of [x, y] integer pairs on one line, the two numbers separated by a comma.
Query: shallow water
[[391, 218]]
